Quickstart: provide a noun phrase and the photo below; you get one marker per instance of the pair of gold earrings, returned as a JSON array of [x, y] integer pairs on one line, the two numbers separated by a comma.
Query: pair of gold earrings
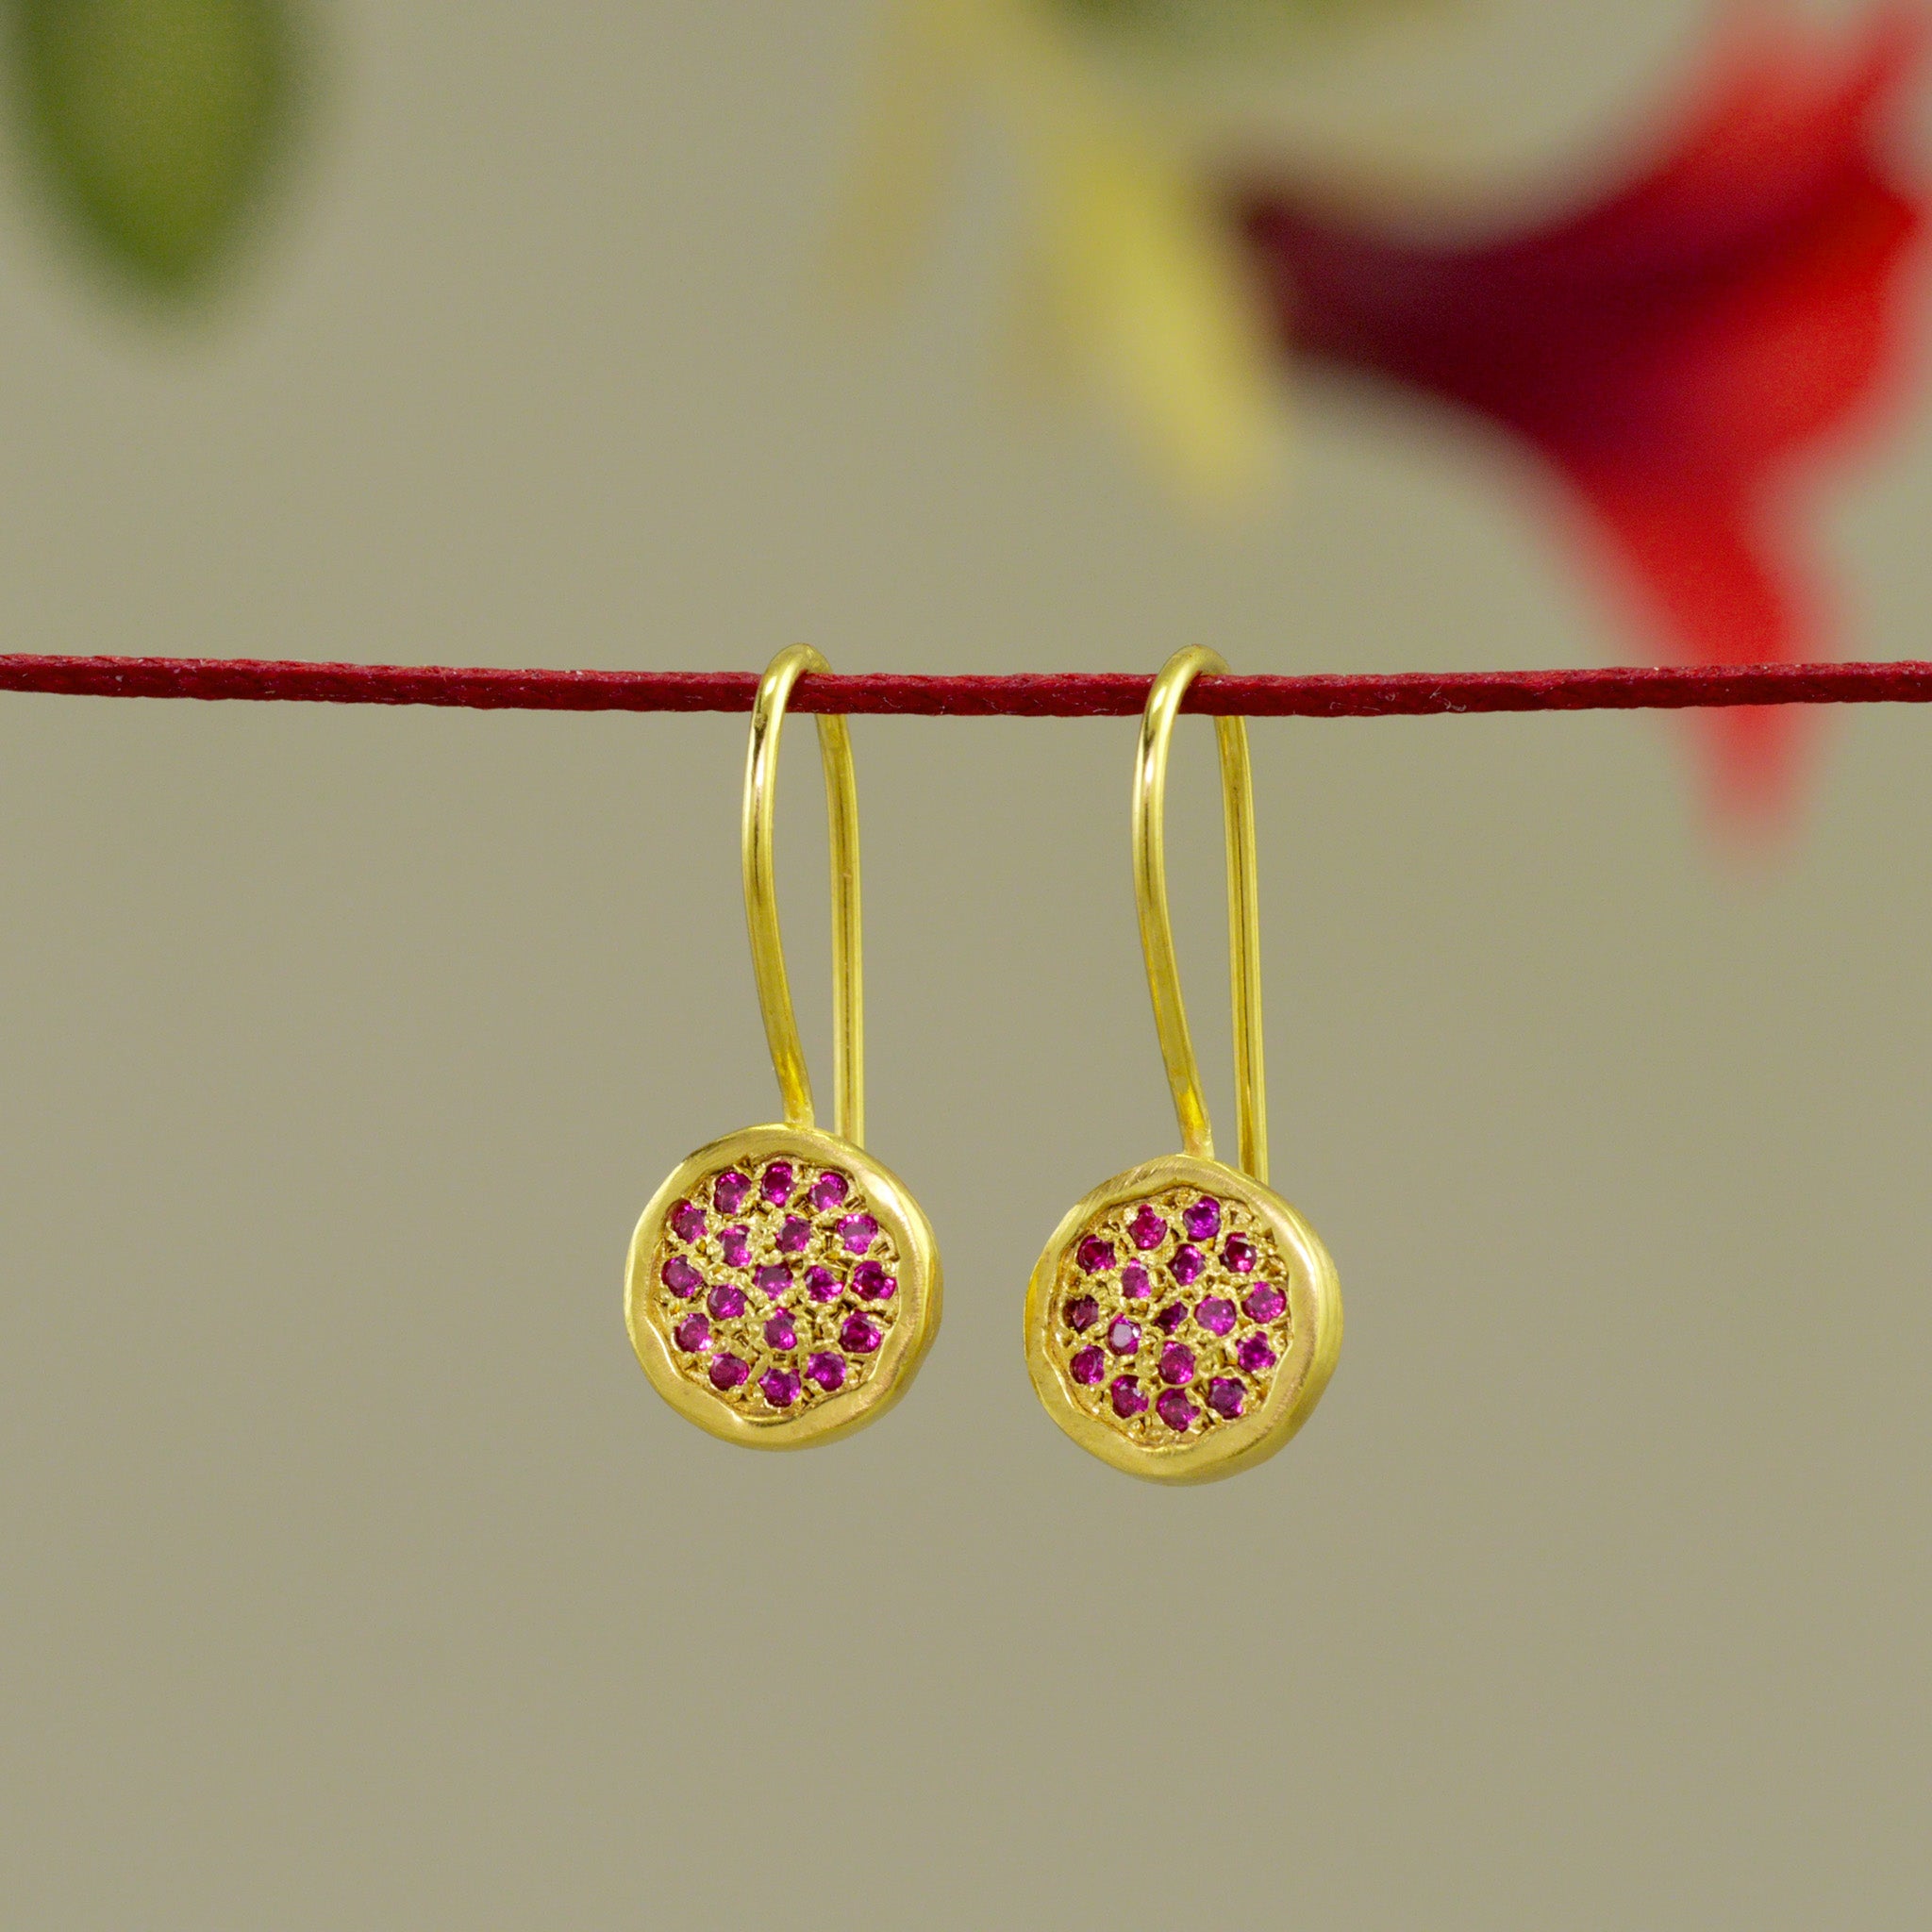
[[783, 1287]]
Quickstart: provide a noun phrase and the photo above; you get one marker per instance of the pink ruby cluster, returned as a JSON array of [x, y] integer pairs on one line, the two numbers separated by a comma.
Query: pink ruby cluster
[[1173, 1315], [777, 1287]]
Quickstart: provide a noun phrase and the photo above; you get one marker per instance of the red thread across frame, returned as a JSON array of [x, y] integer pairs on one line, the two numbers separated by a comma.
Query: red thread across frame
[[1021, 694]]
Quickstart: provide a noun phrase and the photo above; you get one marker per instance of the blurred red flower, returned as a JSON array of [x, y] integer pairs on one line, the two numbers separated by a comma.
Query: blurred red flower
[[1674, 349]]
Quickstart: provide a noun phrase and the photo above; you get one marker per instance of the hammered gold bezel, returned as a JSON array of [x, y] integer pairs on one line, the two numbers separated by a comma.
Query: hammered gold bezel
[[907, 1342], [1314, 1299]]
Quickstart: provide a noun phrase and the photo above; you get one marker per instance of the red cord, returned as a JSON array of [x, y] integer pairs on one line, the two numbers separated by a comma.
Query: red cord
[[1023, 694]]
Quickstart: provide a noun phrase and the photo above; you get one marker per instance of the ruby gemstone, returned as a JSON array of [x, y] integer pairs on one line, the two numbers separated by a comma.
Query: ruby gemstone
[[1123, 1338], [776, 1185], [725, 1301], [1125, 1393], [781, 1331], [729, 1371], [730, 1191], [1095, 1256], [821, 1285], [1265, 1303], [1171, 1317], [859, 1334], [1087, 1367], [780, 1387], [829, 1191], [1256, 1355], [1226, 1397], [827, 1370], [1238, 1253], [1176, 1411], [1148, 1230], [687, 1221], [692, 1335], [735, 1244], [680, 1278], [1082, 1313], [775, 1278], [1187, 1264], [1215, 1314], [873, 1282], [1202, 1219], [794, 1237], [1177, 1364], [1135, 1283], [858, 1232]]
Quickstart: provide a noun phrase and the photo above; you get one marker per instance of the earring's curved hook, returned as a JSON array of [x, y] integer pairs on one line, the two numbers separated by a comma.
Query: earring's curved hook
[[761, 903], [1243, 915]]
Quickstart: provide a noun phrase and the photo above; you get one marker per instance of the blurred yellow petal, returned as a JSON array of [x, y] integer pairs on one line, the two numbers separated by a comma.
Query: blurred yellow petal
[[1142, 285], [911, 126], [1156, 309]]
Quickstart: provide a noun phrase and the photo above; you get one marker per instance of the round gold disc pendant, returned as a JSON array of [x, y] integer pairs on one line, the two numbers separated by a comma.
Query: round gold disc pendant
[[782, 1287], [1183, 1321]]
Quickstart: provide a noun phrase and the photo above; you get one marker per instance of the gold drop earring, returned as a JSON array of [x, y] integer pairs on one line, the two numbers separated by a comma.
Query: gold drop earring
[[1184, 1320], [783, 1287]]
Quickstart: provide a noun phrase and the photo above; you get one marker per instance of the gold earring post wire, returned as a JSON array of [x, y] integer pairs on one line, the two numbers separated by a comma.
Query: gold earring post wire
[[761, 903], [1243, 915]]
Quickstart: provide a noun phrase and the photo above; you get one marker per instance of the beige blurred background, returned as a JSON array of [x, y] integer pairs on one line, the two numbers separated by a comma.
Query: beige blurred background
[[353, 1576]]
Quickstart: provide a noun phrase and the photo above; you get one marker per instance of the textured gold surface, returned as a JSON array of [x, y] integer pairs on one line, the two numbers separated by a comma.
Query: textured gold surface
[[1131, 1313], [1305, 1338], [817, 1288], [906, 1319]]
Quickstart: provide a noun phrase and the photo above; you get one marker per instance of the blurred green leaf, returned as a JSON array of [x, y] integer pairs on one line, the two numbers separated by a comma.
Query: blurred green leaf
[[158, 121]]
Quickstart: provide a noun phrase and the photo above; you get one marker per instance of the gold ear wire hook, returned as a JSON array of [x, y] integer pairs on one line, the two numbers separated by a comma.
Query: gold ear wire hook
[[761, 903], [1243, 915]]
